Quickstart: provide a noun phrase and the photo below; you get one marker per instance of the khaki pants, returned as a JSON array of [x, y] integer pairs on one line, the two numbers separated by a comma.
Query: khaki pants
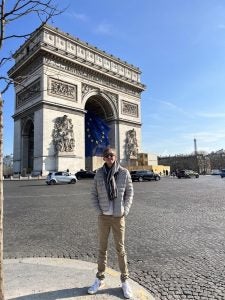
[[105, 223]]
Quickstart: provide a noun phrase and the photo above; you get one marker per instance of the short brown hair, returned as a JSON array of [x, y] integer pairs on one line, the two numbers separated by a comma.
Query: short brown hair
[[108, 150]]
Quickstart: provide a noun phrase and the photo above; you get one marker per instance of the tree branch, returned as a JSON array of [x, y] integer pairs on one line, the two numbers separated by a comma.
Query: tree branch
[[5, 60], [2, 23], [44, 10]]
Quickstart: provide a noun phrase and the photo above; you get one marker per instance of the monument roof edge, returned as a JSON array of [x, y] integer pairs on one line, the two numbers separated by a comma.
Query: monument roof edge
[[83, 43], [111, 56]]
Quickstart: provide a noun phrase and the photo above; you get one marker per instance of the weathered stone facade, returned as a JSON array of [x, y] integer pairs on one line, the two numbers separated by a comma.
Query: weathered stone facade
[[199, 163], [58, 76]]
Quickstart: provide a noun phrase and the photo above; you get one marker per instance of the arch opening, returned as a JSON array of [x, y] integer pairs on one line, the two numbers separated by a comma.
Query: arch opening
[[98, 130], [28, 147]]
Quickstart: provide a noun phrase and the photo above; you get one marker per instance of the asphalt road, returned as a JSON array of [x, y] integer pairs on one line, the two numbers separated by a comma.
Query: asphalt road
[[175, 231]]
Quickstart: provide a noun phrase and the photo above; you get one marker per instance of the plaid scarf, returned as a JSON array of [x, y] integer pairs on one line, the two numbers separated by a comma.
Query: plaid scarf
[[110, 179]]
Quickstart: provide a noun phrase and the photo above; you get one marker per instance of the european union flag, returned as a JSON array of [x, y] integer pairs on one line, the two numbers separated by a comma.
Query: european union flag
[[96, 135]]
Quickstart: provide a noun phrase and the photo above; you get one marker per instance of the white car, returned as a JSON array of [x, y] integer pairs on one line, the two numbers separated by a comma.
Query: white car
[[60, 177]]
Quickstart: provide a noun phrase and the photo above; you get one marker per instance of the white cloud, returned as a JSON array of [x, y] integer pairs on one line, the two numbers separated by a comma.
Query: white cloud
[[207, 136], [171, 106], [211, 115], [221, 26], [103, 28], [80, 17]]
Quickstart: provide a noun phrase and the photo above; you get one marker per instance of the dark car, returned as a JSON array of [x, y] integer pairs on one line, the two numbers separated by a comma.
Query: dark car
[[85, 174], [187, 174], [222, 173], [141, 175]]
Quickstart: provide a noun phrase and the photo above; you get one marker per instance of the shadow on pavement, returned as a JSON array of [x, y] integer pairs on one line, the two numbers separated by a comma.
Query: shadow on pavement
[[75, 292]]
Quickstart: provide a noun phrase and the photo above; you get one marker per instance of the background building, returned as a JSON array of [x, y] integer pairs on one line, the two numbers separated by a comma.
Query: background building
[[199, 163]]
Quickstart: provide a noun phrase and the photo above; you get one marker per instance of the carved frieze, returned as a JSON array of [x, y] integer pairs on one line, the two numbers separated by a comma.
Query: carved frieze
[[28, 93], [63, 136], [129, 109], [62, 89], [92, 75]]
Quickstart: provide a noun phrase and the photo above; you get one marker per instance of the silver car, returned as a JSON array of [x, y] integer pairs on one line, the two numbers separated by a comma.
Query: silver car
[[60, 177]]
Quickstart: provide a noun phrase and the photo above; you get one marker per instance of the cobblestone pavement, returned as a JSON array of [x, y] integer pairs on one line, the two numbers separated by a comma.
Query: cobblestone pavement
[[175, 231]]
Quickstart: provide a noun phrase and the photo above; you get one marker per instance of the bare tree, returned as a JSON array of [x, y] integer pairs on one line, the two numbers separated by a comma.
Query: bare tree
[[1, 204], [43, 11]]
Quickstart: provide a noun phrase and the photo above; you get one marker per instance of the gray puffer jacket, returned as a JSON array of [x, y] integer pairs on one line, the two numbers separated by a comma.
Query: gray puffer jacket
[[121, 204]]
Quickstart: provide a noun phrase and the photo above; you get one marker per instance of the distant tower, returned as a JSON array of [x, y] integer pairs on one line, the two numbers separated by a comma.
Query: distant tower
[[195, 146]]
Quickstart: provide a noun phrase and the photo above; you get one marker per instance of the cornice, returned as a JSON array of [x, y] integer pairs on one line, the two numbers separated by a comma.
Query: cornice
[[125, 122], [90, 74], [57, 31], [60, 62], [47, 104], [61, 44]]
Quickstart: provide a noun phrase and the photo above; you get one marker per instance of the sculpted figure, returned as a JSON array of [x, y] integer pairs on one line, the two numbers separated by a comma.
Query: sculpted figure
[[131, 144], [63, 137]]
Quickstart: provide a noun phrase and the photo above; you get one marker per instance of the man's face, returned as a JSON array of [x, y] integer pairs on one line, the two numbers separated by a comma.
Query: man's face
[[109, 158]]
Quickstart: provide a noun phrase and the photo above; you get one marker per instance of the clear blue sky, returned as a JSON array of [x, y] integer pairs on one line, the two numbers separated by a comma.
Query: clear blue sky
[[180, 47]]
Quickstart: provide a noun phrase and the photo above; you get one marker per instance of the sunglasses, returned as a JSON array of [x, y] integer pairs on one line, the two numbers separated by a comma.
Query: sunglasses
[[109, 155]]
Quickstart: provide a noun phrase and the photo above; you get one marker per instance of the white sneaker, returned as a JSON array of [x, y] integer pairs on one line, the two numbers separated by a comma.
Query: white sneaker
[[97, 285], [127, 292]]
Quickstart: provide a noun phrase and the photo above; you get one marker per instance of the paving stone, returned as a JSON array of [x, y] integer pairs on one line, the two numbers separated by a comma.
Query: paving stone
[[174, 234]]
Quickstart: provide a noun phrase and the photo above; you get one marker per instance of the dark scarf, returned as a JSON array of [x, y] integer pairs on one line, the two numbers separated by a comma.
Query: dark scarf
[[110, 179]]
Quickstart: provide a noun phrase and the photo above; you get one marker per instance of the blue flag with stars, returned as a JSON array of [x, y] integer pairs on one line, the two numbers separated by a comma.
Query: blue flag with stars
[[96, 135]]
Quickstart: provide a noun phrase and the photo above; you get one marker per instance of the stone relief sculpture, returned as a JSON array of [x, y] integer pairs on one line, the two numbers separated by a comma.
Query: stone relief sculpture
[[131, 144], [63, 137], [129, 109]]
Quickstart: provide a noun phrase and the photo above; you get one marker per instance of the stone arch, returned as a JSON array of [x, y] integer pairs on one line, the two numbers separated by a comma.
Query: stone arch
[[107, 103], [28, 146], [102, 106], [73, 80]]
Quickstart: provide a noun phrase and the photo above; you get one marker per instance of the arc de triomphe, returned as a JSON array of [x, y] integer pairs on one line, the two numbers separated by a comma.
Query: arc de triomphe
[[58, 80]]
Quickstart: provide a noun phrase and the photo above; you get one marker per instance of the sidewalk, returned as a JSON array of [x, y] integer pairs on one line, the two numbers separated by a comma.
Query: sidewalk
[[61, 279]]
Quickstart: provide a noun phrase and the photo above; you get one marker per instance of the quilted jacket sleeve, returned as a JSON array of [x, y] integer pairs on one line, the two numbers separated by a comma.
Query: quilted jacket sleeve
[[94, 196], [129, 194]]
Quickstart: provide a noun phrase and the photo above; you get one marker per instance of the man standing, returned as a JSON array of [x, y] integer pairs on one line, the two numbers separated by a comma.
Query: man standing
[[112, 196]]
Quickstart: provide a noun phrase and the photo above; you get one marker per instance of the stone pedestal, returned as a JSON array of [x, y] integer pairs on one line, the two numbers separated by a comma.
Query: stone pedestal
[[66, 160], [93, 163]]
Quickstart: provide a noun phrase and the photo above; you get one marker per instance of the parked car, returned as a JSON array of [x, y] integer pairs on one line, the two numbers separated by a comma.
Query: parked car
[[216, 172], [141, 175], [85, 174], [60, 177], [222, 173], [187, 174]]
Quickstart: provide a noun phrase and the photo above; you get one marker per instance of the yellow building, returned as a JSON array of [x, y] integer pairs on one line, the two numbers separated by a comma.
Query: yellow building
[[149, 161]]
